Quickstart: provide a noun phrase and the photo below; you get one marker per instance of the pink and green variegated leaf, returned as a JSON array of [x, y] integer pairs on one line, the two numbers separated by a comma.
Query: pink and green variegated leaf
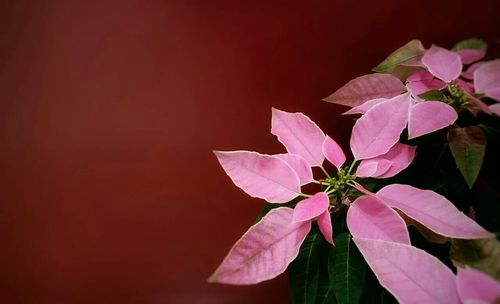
[[263, 176], [409, 55], [469, 56], [325, 226], [299, 134], [442, 63], [429, 116], [362, 108], [373, 168], [333, 152], [400, 156], [379, 129], [370, 218], [264, 251], [476, 287], [479, 104], [311, 207], [487, 79], [410, 274], [433, 211], [299, 165], [470, 50], [367, 87], [422, 82]]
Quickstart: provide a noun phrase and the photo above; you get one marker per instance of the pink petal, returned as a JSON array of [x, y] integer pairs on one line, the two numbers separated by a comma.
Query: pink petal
[[299, 134], [369, 218], [411, 275], [367, 87], [264, 251], [433, 211], [362, 189], [325, 226], [311, 207], [477, 287], [379, 129], [469, 56], [299, 165], [362, 108], [333, 152], [487, 79], [429, 116], [400, 156], [495, 108], [442, 63], [259, 175], [373, 167]]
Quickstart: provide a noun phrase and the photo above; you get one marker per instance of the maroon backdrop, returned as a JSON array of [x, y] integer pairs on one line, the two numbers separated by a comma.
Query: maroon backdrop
[[109, 111]]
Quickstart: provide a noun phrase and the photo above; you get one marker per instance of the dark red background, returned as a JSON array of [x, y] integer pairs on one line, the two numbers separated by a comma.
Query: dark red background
[[109, 111]]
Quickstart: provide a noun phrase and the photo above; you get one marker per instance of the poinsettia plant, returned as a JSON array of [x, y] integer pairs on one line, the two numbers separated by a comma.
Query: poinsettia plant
[[389, 203]]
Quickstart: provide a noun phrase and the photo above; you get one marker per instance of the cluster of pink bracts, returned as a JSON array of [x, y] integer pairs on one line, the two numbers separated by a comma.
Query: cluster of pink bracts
[[388, 106]]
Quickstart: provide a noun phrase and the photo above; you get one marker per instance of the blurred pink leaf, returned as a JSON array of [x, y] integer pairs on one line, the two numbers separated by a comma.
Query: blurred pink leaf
[[433, 211], [260, 175], [469, 56], [379, 129], [487, 79], [476, 287], [410, 274], [442, 63], [367, 87], [299, 134], [264, 251]]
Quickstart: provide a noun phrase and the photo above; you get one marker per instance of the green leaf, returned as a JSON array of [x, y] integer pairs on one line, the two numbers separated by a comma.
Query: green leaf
[[483, 254], [346, 267], [467, 147], [433, 95], [325, 294], [411, 51], [472, 43], [303, 272]]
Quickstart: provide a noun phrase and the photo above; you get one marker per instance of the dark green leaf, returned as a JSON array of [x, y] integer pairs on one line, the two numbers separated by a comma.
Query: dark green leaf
[[433, 95], [467, 147], [472, 43], [346, 267], [411, 51], [483, 254], [304, 271]]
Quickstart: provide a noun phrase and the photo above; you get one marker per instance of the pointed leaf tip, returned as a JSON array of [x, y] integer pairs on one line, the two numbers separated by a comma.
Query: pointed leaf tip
[[299, 134], [333, 152], [259, 175], [264, 251]]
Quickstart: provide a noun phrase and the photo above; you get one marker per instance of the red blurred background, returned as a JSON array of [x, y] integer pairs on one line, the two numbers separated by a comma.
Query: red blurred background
[[109, 111]]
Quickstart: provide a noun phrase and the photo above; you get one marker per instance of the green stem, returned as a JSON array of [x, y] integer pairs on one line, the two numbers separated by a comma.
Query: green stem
[[351, 167], [324, 171], [305, 195]]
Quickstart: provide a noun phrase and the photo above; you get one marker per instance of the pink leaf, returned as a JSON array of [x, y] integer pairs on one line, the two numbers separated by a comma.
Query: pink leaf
[[311, 207], [469, 56], [299, 134], [325, 226], [378, 130], [299, 165], [429, 116], [362, 108], [373, 167], [362, 189], [369, 218], [411, 275], [495, 108], [466, 86], [479, 104], [433, 211], [422, 82], [333, 152], [442, 63], [264, 251], [476, 287], [487, 79], [259, 175], [367, 87], [399, 155]]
